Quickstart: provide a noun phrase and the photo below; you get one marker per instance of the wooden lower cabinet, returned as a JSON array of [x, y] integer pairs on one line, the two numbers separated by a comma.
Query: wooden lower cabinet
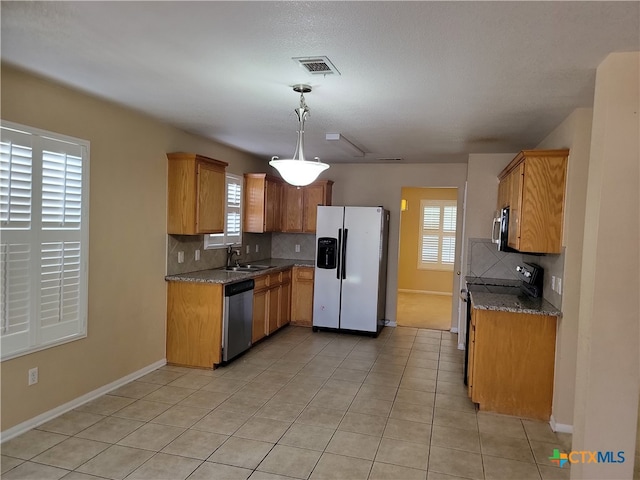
[[511, 362], [274, 309], [284, 314], [271, 303], [194, 317], [302, 296], [194, 324]]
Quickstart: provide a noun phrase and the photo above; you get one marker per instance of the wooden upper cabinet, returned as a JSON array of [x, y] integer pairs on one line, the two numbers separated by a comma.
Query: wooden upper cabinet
[[536, 182], [273, 214], [196, 194], [504, 193], [292, 201], [300, 204], [515, 182], [314, 195], [262, 203]]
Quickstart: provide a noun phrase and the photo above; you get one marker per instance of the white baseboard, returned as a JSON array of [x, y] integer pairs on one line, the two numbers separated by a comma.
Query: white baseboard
[[23, 427], [391, 324], [560, 427], [426, 292], [454, 330]]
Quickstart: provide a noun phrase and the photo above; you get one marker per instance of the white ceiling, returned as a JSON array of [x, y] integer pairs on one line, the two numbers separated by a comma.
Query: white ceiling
[[425, 81]]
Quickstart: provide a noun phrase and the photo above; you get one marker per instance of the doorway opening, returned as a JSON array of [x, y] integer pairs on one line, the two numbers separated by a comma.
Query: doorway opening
[[426, 257]]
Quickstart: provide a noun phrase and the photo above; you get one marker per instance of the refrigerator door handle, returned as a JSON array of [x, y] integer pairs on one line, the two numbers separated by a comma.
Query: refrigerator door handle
[[344, 254], [339, 253]]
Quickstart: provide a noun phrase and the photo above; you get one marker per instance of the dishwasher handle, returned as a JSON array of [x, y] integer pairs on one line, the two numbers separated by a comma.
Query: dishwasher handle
[[238, 287]]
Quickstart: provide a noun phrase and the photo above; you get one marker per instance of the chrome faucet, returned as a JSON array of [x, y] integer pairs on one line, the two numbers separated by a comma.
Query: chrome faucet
[[230, 253]]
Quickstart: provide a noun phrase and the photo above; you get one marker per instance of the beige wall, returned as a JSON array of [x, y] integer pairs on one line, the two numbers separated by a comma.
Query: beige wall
[[372, 185], [608, 373], [573, 133], [410, 277], [127, 241], [482, 192]]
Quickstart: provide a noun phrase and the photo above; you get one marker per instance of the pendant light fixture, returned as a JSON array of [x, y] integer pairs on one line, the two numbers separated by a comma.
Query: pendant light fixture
[[298, 171]]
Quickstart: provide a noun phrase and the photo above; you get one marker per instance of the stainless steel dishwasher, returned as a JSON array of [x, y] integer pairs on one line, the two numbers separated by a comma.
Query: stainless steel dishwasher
[[238, 319]]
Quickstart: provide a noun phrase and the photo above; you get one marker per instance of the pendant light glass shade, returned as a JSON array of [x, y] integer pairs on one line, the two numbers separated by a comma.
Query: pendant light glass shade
[[297, 171]]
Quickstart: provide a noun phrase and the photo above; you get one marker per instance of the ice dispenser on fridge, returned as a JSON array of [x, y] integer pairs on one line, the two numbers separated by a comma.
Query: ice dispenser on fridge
[[327, 253]]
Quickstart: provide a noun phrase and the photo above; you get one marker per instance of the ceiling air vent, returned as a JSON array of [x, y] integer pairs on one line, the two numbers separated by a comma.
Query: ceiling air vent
[[317, 65], [390, 159]]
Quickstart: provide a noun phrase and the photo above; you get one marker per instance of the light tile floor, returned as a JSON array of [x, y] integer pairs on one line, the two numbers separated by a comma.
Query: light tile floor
[[298, 405]]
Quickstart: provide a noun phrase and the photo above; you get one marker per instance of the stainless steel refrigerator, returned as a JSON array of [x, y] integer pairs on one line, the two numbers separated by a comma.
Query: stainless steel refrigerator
[[350, 283]]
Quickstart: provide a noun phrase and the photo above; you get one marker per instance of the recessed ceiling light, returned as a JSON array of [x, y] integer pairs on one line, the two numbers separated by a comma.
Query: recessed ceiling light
[[317, 65]]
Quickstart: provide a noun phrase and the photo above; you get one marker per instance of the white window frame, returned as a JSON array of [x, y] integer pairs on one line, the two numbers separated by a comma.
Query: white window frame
[[445, 235], [45, 248], [234, 189]]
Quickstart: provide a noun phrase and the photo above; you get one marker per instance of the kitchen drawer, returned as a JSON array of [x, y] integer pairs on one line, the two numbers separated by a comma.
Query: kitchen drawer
[[275, 278], [304, 273], [262, 282]]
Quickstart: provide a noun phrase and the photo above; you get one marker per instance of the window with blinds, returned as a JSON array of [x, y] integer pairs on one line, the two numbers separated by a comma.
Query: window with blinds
[[44, 192], [437, 244], [232, 235]]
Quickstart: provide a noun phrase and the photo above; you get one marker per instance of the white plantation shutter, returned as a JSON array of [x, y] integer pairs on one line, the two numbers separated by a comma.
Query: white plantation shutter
[[61, 189], [431, 217], [233, 228], [448, 250], [16, 179], [44, 205], [233, 216], [429, 250], [15, 267], [437, 246]]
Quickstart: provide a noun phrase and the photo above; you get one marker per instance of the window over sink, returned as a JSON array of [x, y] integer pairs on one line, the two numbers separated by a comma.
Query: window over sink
[[232, 235]]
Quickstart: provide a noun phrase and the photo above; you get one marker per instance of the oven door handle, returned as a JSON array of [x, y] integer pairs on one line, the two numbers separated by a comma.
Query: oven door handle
[[495, 236]]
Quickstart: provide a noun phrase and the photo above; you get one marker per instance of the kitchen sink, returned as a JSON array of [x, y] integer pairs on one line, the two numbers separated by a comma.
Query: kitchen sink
[[246, 268]]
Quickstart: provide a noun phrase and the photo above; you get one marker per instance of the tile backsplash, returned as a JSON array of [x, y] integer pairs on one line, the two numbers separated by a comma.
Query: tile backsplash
[[283, 245], [484, 260], [553, 265], [270, 245], [212, 258]]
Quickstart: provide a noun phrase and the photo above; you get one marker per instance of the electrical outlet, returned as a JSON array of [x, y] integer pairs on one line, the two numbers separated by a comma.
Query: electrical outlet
[[33, 376], [197, 255], [257, 248], [559, 285], [297, 248], [180, 257], [553, 283]]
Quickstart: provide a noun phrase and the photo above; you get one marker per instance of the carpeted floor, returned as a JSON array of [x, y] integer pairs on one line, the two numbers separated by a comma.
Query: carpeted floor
[[423, 310]]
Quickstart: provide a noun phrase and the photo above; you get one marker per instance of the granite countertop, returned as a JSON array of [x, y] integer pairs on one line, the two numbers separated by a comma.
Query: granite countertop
[[505, 295], [219, 275]]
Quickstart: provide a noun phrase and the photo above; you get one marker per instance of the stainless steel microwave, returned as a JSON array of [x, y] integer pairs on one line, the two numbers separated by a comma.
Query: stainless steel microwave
[[500, 230]]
